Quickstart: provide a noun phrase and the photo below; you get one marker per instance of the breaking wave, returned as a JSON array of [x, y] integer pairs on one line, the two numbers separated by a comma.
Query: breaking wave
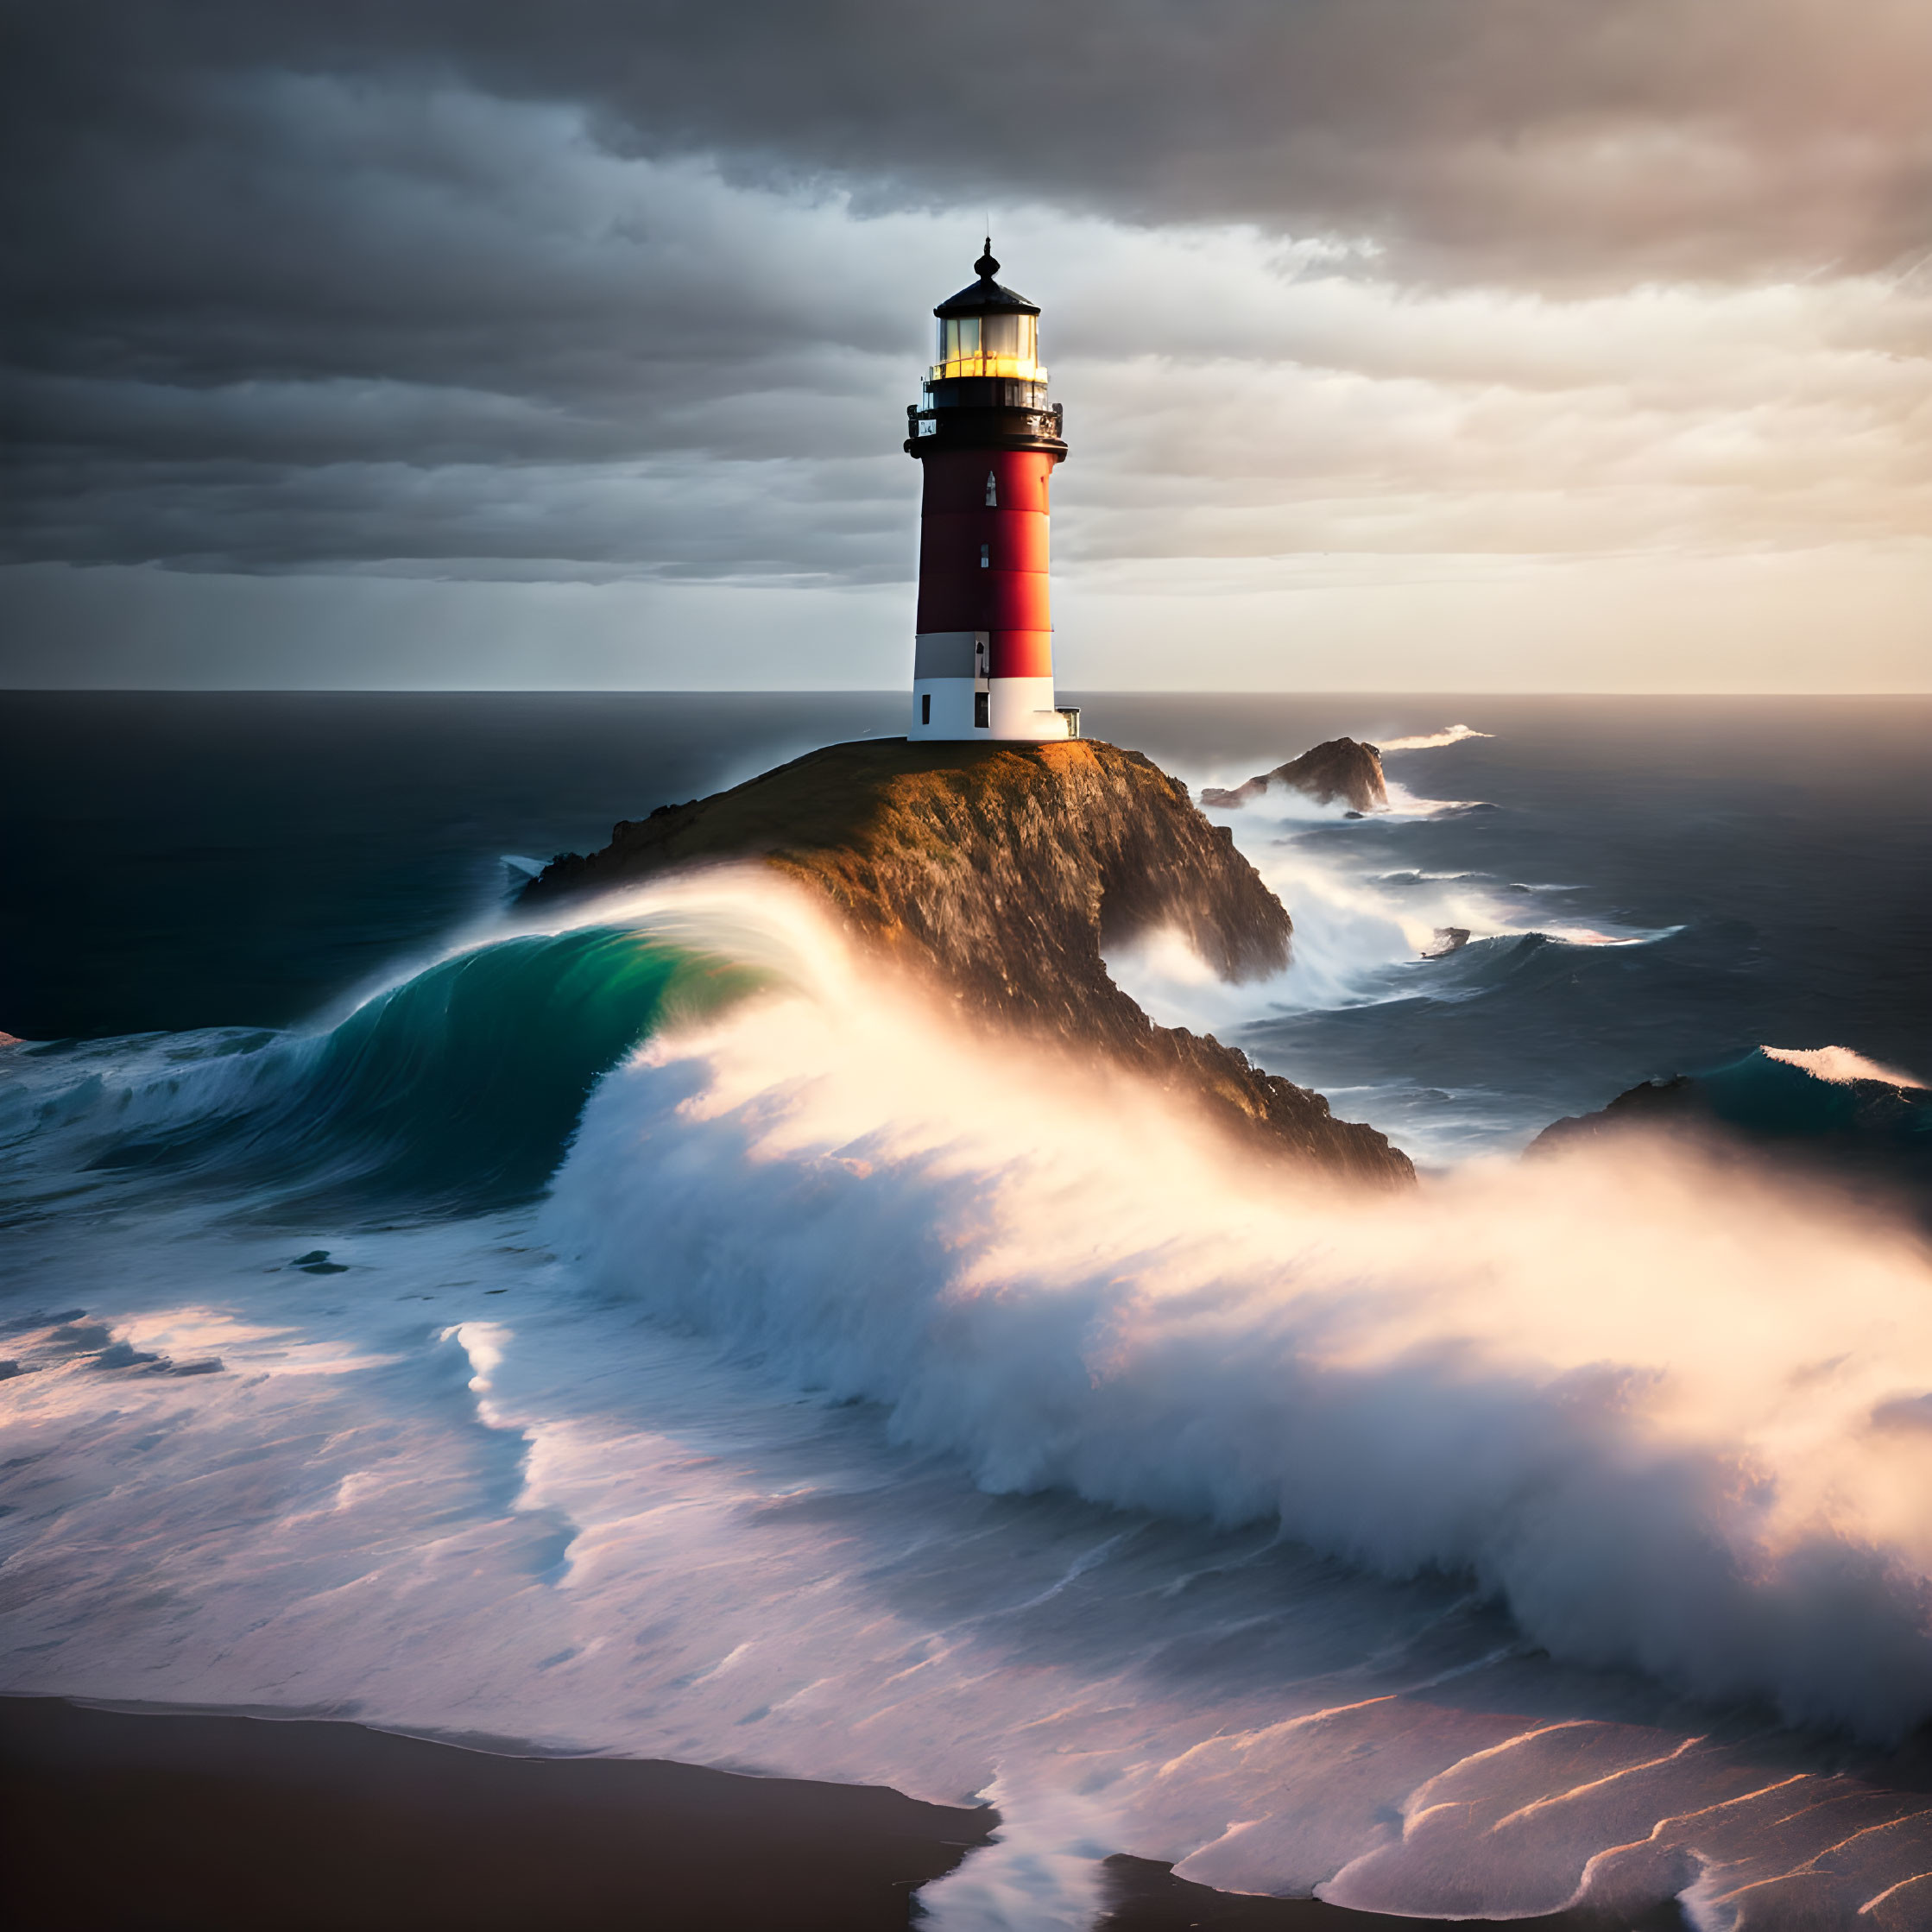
[[1450, 735], [1840, 1065], [459, 1086], [1609, 1391]]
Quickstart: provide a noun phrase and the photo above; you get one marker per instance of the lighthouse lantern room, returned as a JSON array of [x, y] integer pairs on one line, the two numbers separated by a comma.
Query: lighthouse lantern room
[[986, 439]]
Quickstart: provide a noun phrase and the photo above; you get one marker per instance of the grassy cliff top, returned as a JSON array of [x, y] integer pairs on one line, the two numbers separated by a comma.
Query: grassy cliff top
[[875, 794], [902, 834]]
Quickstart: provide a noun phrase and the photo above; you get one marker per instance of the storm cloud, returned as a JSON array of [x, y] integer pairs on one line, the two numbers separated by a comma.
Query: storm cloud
[[601, 291], [1521, 138]]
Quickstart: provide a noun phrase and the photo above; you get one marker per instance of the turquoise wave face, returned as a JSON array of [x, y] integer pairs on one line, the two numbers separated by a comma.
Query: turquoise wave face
[[459, 1088], [1775, 1100]]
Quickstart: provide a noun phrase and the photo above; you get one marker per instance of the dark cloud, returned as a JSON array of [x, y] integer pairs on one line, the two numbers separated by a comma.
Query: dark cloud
[[669, 520], [376, 279], [1558, 140], [1508, 137], [271, 318]]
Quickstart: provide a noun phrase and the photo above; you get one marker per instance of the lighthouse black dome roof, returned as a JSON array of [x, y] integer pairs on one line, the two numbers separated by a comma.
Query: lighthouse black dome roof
[[977, 298]]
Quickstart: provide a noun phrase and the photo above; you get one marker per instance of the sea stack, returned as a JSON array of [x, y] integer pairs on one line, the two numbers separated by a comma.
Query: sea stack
[[986, 439], [1342, 768]]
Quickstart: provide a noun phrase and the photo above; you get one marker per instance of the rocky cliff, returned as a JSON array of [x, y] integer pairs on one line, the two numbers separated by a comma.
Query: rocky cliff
[[1342, 768], [998, 872]]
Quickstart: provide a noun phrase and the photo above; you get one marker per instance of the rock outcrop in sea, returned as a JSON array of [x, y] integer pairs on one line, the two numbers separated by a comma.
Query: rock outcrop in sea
[[1341, 769], [997, 873]]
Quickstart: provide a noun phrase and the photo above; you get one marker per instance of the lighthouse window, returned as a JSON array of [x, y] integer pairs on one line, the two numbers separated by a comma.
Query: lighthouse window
[[992, 491], [926, 707], [1001, 335], [1004, 346], [959, 339], [986, 556]]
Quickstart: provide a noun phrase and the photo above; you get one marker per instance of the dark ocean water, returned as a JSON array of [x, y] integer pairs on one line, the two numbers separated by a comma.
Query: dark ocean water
[[1780, 850], [645, 1332], [182, 860]]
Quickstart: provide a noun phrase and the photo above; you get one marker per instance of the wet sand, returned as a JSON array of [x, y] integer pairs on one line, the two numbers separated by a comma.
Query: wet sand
[[171, 1820], [161, 1819]]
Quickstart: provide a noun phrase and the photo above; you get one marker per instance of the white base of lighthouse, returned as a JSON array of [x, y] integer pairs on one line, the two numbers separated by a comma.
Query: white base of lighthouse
[[987, 708], [956, 696]]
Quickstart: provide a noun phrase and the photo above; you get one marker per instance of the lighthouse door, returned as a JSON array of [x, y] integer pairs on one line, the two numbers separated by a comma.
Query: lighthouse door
[[983, 695]]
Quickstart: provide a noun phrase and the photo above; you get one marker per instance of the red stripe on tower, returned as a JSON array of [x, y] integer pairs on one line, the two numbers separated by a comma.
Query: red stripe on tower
[[987, 440]]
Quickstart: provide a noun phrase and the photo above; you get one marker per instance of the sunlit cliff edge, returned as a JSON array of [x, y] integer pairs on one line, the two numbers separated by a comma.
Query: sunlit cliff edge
[[998, 872]]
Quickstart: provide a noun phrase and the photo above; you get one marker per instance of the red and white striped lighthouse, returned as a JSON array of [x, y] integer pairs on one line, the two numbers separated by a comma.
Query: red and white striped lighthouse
[[983, 656]]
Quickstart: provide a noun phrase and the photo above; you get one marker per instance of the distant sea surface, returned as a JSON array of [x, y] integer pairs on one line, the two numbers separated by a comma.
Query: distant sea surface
[[633, 1333]]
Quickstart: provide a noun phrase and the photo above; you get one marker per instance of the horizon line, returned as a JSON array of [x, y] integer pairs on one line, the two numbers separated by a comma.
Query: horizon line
[[885, 690]]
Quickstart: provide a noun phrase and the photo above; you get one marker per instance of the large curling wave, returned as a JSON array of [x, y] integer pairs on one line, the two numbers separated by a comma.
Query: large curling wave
[[1675, 1421]]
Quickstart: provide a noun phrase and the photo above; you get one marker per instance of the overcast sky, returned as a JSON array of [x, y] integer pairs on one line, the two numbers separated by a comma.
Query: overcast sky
[[1438, 345]]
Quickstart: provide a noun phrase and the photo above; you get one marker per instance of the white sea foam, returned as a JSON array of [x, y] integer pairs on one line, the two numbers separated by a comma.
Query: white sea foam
[[1404, 804], [1840, 1065], [1431, 741], [1541, 1377], [1357, 934], [1041, 1872]]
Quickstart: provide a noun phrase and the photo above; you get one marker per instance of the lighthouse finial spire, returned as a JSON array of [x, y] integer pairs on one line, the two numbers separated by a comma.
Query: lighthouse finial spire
[[986, 267]]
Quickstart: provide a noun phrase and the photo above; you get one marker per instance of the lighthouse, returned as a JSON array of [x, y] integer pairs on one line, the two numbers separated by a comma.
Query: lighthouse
[[986, 439]]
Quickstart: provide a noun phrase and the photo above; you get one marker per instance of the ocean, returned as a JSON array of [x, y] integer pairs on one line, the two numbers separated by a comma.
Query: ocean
[[643, 1329]]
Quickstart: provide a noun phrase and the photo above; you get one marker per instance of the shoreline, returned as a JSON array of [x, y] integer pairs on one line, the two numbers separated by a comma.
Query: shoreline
[[163, 1816]]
